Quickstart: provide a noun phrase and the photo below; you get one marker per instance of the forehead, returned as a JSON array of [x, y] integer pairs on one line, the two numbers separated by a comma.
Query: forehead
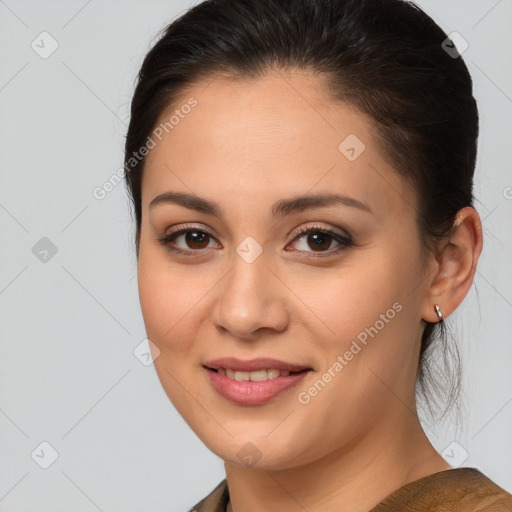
[[265, 138]]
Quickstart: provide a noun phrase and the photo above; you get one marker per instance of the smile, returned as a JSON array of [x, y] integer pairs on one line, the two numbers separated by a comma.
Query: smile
[[257, 376], [253, 382]]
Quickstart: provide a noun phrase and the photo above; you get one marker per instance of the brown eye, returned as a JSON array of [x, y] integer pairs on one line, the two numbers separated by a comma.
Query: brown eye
[[319, 240], [196, 239], [187, 241]]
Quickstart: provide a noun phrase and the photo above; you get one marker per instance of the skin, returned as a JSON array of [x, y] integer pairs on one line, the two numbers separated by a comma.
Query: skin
[[247, 144]]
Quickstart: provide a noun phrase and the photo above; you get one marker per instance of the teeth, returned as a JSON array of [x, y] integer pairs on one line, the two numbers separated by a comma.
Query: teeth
[[257, 376], [274, 373], [242, 376]]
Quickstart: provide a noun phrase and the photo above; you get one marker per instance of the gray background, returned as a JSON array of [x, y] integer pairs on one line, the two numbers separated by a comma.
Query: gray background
[[69, 324]]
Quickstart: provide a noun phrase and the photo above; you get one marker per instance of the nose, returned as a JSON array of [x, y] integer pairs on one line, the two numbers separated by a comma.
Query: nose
[[251, 301]]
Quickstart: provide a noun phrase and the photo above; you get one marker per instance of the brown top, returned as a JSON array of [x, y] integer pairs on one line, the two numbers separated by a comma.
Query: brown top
[[453, 490]]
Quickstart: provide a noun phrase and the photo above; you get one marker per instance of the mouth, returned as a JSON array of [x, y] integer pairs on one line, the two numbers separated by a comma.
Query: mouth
[[253, 382], [255, 376], [262, 368]]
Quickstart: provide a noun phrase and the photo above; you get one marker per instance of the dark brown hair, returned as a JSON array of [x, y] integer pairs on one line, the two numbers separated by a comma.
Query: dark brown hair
[[385, 57]]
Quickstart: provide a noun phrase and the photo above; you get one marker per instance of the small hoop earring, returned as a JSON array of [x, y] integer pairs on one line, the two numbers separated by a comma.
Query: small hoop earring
[[438, 312]]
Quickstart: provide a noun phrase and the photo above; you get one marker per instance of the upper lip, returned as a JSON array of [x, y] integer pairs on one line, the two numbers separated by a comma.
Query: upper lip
[[251, 365]]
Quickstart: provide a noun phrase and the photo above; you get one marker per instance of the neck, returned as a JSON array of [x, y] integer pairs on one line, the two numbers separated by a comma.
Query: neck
[[354, 479]]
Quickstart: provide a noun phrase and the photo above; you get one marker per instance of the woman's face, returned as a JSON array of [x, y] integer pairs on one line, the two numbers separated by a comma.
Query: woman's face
[[342, 303]]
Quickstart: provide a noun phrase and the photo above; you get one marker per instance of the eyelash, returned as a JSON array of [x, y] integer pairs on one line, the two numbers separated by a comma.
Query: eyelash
[[344, 242]]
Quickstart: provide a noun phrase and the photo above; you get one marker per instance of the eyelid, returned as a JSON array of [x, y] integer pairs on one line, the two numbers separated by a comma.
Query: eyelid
[[344, 241], [342, 238], [296, 232], [165, 240], [313, 227], [191, 227]]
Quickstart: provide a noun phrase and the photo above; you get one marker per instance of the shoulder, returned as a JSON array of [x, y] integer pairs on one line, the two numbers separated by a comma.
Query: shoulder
[[454, 490], [216, 501]]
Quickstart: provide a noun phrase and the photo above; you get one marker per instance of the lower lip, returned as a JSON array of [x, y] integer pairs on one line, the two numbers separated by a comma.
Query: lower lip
[[247, 392]]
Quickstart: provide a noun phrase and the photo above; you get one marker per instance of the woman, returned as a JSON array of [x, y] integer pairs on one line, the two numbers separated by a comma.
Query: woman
[[301, 175]]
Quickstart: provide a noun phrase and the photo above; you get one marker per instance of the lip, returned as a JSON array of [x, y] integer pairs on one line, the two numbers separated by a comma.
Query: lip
[[253, 365], [253, 392], [247, 392]]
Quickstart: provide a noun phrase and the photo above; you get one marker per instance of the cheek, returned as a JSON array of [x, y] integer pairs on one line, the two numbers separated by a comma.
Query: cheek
[[366, 314], [155, 299], [165, 297], [166, 290], [348, 300], [176, 309], [170, 301]]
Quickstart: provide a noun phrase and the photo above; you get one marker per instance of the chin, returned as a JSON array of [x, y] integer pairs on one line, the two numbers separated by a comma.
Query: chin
[[256, 453]]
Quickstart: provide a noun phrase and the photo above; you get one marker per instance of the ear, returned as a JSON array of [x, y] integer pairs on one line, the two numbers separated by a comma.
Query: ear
[[455, 266]]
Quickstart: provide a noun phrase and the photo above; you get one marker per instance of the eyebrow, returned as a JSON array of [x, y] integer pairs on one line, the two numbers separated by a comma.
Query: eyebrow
[[279, 209]]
